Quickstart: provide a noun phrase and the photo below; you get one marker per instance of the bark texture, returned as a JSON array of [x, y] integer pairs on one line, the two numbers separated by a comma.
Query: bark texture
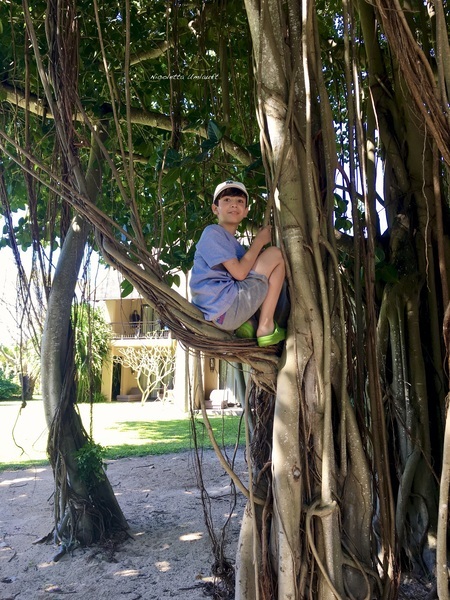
[[321, 540]]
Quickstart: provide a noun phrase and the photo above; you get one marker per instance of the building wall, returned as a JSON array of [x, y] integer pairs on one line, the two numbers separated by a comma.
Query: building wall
[[210, 375], [117, 313]]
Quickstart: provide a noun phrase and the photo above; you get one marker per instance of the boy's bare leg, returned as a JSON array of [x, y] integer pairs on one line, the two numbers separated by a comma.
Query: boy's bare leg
[[271, 264]]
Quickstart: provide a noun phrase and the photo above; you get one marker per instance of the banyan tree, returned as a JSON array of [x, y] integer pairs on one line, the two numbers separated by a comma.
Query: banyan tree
[[117, 120]]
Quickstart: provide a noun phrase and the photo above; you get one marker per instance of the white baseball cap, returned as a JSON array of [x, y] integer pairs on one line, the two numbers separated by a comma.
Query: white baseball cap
[[229, 183]]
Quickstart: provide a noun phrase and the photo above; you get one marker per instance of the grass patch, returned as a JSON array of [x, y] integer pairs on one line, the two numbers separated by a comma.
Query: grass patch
[[122, 438], [24, 464], [167, 437]]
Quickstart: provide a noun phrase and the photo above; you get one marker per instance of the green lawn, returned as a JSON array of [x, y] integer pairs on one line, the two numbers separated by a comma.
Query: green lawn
[[124, 429]]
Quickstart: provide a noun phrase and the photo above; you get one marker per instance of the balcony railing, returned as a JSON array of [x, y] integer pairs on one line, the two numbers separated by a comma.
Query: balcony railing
[[125, 330]]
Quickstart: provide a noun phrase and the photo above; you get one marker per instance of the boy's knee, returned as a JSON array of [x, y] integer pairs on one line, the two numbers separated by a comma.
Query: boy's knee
[[269, 260], [274, 254]]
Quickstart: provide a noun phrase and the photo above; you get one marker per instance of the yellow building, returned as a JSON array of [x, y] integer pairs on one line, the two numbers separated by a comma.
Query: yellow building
[[137, 332]]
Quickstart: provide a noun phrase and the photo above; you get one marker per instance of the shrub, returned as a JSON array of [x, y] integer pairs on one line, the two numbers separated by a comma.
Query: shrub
[[8, 388], [92, 337], [97, 397], [90, 463]]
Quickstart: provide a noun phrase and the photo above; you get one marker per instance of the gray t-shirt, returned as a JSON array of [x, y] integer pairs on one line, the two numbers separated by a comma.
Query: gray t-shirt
[[213, 289]]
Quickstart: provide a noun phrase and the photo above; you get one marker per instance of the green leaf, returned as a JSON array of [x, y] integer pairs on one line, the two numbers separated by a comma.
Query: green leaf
[[127, 288], [171, 177], [172, 158], [256, 164], [255, 149], [340, 204], [173, 279], [214, 132], [343, 224], [208, 144]]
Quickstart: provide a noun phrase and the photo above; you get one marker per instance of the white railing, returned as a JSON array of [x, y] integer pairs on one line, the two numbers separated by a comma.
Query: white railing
[[127, 330]]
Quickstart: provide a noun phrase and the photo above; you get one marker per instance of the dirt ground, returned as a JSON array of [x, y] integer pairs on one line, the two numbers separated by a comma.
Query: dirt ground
[[168, 556]]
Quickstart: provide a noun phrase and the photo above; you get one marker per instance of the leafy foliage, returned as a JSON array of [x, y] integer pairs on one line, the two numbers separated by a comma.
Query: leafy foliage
[[170, 166], [92, 339], [22, 362], [90, 463], [8, 388]]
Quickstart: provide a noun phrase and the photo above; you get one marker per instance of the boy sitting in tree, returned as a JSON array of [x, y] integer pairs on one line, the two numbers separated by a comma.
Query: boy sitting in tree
[[229, 283]]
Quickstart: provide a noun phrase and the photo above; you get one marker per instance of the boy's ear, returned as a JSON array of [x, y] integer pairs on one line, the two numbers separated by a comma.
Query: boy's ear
[[214, 208]]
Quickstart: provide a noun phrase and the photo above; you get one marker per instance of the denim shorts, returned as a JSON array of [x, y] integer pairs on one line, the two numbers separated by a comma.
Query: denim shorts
[[251, 294]]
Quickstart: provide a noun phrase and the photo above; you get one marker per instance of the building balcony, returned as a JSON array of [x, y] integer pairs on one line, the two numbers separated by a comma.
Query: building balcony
[[126, 330]]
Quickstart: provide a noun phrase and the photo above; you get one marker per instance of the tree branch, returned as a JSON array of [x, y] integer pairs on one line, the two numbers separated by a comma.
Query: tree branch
[[138, 116], [152, 53]]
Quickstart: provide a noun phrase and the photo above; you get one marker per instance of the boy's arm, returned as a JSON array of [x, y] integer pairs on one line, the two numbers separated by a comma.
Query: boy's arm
[[239, 269]]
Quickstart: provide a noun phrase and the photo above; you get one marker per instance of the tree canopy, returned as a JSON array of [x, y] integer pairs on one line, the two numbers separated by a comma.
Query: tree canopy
[[173, 138]]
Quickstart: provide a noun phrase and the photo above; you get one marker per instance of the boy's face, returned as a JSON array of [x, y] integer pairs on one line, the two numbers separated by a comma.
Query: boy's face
[[230, 209]]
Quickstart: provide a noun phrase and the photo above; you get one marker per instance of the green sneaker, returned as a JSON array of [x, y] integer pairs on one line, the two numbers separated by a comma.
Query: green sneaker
[[278, 335], [246, 330]]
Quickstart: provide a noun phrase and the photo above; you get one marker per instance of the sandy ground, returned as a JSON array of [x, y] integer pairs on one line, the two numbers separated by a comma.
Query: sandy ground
[[168, 556], [169, 552]]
